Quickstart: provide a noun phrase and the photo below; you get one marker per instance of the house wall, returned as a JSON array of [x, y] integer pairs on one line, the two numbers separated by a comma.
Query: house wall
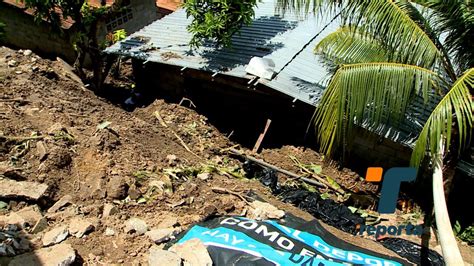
[[23, 32], [370, 149], [135, 16]]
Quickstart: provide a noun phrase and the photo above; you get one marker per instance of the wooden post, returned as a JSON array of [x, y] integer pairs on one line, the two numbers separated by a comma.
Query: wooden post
[[260, 138]]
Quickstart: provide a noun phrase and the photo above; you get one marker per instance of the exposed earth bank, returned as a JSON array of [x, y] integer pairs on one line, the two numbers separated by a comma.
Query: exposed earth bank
[[85, 181]]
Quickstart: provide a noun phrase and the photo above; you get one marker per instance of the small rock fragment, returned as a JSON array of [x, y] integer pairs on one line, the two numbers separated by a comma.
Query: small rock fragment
[[193, 252], [109, 209], [42, 150], [117, 188], [55, 236], [13, 189], [78, 227], [40, 226], [55, 128], [134, 193], [61, 255], [263, 211], [136, 225], [109, 231], [203, 176], [158, 257], [161, 235], [168, 221], [25, 217], [171, 158], [27, 52], [12, 63], [65, 200]]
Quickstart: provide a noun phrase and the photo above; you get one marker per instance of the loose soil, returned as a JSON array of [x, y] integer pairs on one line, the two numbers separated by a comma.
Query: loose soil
[[55, 131]]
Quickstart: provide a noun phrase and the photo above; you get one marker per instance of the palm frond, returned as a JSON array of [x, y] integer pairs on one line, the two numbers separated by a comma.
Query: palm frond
[[389, 22], [373, 92], [349, 46], [457, 104], [454, 19]]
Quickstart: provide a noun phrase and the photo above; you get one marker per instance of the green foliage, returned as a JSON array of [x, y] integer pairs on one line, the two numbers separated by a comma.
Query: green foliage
[[348, 45], [390, 23], [375, 93], [119, 35], [48, 10], [390, 51], [457, 104], [455, 20], [466, 235], [217, 19]]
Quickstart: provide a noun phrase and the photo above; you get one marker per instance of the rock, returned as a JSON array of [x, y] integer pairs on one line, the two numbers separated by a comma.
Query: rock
[[58, 255], [171, 158], [78, 227], [161, 235], [117, 188], [109, 231], [55, 236], [27, 52], [263, 211], [65, 200], [168, 221], [25, 217], [193, 252], [136, 225], [30, 215], [203, 176], [109, 209], [13, 189], [41, 150], [158, 257], [134, 193], [12, 63], [163, 185], [40, 226], [56, 128]]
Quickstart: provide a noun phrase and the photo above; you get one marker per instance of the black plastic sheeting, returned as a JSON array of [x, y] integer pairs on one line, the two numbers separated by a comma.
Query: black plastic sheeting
[[337, 215], [412, 251], [327, 210]]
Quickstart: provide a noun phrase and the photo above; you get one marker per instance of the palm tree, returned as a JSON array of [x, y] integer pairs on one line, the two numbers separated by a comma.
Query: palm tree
[[386, 53]]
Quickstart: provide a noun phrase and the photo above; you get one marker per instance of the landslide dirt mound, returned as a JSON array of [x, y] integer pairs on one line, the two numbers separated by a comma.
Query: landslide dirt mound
[[163, 165]]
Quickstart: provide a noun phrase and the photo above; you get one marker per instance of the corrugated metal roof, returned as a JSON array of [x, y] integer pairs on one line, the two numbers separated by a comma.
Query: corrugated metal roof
[[270, 35], [288, 40]]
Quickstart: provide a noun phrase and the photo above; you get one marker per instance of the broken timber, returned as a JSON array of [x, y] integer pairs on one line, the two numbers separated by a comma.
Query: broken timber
[[276, 168], [262, 135]]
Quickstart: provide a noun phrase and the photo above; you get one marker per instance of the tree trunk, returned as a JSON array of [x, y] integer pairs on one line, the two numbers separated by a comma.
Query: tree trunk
[[449, 246]]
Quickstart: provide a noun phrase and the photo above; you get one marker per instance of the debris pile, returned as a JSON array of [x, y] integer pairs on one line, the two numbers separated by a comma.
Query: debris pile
[[83, 181]]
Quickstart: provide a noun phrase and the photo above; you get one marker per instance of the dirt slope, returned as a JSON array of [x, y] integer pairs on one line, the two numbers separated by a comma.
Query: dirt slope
[[94, 156]]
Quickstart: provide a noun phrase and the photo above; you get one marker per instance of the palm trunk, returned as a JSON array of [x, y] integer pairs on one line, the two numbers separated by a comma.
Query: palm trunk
[[449, 246]]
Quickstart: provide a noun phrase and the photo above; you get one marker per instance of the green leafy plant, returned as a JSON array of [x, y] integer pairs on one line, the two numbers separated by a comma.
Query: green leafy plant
[[466, 235], [86, 26], [119, 35], [217, 19]]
